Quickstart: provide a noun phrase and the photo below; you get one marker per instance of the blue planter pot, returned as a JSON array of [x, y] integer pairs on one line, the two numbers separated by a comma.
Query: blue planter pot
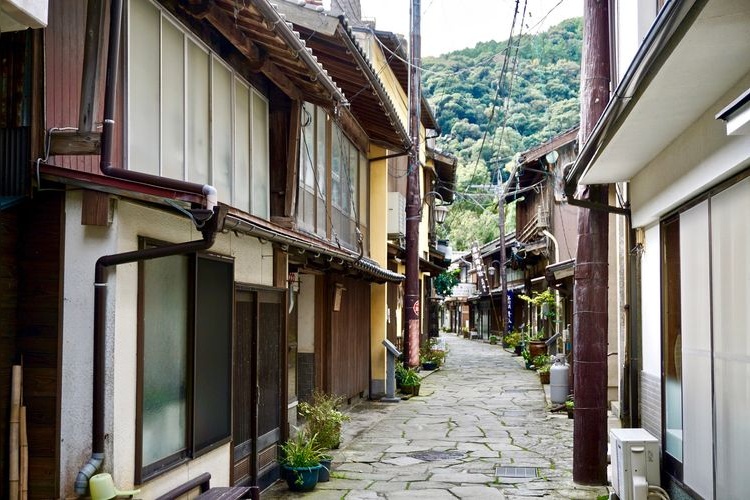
[[325, 470], [302, 478]]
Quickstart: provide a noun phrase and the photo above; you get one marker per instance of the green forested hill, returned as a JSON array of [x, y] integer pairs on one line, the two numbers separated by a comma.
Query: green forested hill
[[484, 128]]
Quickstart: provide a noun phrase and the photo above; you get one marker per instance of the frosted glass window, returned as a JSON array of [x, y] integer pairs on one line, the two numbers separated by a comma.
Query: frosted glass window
[[260, 175], [173, 101], [307, 181], [696, 350], [165, 337], [143, 98], [353, 180], [321, 159], [730, 265], [221, 133], [198, 114], [241, 146]]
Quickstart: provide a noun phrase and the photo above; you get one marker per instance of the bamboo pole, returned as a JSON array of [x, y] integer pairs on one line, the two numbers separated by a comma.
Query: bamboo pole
[[15, 411], [24, 439]]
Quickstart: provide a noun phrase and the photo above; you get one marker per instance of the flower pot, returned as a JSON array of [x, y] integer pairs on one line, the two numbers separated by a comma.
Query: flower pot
[[302, 478], [537, 348], [544, 377], [518, 349], [412, 390], [325, 470], [570, 413], [429, 365]]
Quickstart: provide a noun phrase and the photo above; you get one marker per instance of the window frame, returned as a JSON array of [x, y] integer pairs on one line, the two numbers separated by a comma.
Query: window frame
[[147, 472]]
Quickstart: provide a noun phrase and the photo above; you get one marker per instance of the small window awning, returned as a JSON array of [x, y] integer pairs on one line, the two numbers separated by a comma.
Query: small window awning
[[558, 271]]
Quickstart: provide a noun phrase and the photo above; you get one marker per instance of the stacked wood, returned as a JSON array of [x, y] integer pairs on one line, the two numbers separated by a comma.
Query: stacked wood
[[14, 441]]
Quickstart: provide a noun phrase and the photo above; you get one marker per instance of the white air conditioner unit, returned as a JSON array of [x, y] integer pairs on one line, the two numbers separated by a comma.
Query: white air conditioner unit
[[17, 15], [396, 214], [635, 462]]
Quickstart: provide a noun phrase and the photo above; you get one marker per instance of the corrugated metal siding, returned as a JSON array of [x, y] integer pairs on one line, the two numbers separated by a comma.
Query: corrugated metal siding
[[64, 44], [14, 161]]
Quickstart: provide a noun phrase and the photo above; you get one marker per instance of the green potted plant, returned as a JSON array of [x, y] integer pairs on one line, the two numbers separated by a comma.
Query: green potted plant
[[465, 331], [570, 407], [511, 340], [543, 372], [324, 418], [493, 339], [410, 384], [526, 354], [300, 459], [430, 357]]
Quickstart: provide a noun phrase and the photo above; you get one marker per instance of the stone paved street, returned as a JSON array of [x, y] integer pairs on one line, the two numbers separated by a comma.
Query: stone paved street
[[482, 410]]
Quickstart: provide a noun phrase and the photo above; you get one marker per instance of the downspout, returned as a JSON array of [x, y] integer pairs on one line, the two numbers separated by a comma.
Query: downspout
[[557, 292], [208, 220]]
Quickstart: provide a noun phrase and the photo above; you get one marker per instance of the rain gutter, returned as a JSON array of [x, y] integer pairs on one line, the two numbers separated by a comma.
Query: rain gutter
[[669, 27]]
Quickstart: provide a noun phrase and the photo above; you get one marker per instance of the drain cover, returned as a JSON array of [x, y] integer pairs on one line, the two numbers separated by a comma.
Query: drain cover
[[527, 472], [433, 456]]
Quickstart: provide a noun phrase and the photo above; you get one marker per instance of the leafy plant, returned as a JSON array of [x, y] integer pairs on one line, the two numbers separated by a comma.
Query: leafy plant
[[569, 404], [446, 281], [544, 368], [526, 355], [430, 353], [540, 361], [512, 339], [324, 418], [411, 378], [493, 339]]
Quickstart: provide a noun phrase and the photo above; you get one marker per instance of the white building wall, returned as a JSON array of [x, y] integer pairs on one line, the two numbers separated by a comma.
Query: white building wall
[[700, 157], [633, 18], [83, 246]]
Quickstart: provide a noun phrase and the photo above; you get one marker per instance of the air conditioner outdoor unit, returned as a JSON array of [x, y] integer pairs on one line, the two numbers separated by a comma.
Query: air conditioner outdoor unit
[[396, 214], [635, 463]]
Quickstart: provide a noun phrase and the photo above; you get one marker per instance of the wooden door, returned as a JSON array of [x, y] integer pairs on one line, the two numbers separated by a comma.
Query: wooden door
[[257, 393]]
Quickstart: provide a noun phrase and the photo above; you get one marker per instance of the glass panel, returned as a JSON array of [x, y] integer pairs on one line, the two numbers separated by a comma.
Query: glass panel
[[143, 82], [173, 101], [307, 181], [696, 350], [260, 182], [165, 340], [241, 146], [730, 240], [321, 158], [221, 133], [364, 200], [353, 180], [292, 336], [198, 116], [212, 380], [335, 168], [672, 341]]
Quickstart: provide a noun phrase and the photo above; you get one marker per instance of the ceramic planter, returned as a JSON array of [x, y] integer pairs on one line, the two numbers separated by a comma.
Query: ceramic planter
[[325, 470], [429, 365], [302, 478]]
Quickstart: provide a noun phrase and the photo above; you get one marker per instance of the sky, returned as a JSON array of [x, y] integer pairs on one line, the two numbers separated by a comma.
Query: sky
[[449, 25]]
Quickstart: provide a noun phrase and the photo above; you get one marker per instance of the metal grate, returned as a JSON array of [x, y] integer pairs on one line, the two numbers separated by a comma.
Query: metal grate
[[523, 472]]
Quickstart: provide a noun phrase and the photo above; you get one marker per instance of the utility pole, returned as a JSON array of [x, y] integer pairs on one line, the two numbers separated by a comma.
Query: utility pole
[[591, 273], [503, 274], [413, 201]]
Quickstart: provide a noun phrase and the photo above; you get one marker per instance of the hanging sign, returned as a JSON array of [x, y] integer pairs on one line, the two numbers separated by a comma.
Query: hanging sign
[[476, 258]]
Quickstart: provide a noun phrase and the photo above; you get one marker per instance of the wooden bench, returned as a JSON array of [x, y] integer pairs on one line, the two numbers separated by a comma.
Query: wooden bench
[[203, 484]]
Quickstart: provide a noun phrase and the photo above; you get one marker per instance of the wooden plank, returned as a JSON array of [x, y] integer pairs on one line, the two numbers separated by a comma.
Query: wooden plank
[[74, 143], [24, 466], [14, 442], [95, 209], [281, 80]]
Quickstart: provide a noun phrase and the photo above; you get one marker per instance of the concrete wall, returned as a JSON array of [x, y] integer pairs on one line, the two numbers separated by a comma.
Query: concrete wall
[[83, 245]]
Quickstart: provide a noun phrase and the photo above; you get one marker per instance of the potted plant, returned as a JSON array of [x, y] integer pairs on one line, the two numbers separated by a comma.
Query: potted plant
[[325, 468], [430, 357], [543, 372], [300, 460], [324, 418], [570, 408], [493, 339], [526, 354], [465, 331], [410, 384]]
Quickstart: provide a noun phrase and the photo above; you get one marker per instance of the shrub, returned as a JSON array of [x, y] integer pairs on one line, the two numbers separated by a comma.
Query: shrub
[[324, 418]]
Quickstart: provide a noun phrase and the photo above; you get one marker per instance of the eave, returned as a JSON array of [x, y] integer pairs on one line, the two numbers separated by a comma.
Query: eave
[[270, 46], [445, 168], [236, 220], [695, 51], [395, 45], [334, 46]]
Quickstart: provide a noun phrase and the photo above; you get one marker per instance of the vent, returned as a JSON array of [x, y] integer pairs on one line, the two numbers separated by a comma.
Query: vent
[[396, 215], [517, 472], [267, 457], [242, 470]]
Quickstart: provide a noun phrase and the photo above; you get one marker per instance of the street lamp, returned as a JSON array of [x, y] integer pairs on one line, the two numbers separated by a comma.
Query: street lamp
[[491, 270], [438, 211]]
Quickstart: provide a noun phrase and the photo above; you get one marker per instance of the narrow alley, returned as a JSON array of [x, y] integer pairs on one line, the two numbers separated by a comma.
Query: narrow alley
[[481, 411]]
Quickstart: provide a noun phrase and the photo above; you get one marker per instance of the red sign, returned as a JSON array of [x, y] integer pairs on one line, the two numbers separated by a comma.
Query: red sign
[[415, 308]]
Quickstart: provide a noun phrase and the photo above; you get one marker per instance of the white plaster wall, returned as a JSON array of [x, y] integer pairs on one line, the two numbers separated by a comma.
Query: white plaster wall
[[306, 314], [699, 158], [634, 18], [651, 302], [83, 245]]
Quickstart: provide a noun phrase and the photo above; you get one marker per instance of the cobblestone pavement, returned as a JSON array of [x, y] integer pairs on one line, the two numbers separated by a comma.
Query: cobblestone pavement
[[481, 411]]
